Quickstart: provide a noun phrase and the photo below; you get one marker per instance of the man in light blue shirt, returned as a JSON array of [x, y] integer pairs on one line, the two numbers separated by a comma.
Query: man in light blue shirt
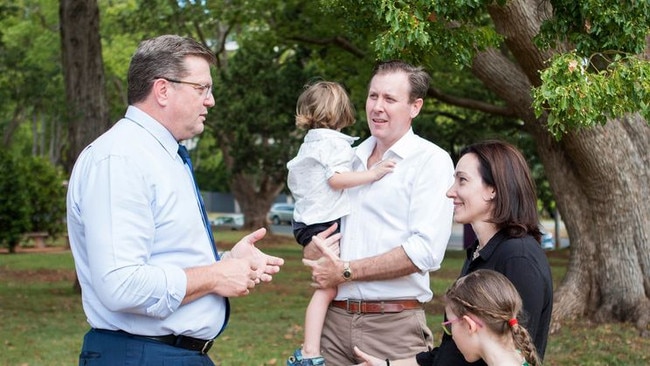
[[153, 287]]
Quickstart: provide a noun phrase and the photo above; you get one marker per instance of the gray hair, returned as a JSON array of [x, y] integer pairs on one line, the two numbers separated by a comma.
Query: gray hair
[[162, 56]]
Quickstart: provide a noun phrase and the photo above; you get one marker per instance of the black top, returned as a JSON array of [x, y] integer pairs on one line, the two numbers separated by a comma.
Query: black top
[[524, 262]]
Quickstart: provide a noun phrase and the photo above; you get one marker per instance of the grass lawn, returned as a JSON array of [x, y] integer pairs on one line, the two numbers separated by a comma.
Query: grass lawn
[[43, 322]]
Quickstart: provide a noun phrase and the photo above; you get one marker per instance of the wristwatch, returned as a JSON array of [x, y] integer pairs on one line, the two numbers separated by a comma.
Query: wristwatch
[[347, 272]]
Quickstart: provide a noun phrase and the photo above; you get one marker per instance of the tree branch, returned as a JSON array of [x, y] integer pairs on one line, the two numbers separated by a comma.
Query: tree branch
[[338, 41], [471, 103]]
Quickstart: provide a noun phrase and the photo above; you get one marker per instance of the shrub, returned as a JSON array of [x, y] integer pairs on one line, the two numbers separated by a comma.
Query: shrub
[[32, 198]]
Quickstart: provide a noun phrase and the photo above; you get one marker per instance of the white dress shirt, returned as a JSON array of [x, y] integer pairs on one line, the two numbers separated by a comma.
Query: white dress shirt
[[134, 224], [406, 208], [323, 153]]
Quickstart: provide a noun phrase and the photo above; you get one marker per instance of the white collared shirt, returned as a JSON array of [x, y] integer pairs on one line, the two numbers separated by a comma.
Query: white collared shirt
[[134, 224], [323, 153], [406, 208]]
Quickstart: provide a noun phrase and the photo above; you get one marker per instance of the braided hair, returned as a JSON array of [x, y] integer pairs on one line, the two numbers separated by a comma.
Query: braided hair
[[490, 296]]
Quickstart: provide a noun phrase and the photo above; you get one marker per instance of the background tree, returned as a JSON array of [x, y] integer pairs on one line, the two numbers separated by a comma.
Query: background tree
[[596, 173], [31, 86], [83, 71], [255, 125]]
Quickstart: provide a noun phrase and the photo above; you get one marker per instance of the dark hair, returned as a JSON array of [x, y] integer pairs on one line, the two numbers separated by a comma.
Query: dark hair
[[418, 78], [324, 104], [490, 296], [162, 56], [504, 168]]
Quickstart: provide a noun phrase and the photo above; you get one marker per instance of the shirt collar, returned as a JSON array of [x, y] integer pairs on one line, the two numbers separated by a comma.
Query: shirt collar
[[488, 249], [404, 147], [155, 128]]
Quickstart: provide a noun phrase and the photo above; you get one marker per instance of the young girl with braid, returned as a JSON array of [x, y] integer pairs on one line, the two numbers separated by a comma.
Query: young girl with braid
[[482, 309]]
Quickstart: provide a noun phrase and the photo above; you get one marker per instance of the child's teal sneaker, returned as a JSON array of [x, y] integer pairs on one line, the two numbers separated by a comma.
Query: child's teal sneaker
[[298, 360]]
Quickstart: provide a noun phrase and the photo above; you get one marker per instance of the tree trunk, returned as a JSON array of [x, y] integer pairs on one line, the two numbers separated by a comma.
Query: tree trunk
[[599, 177], [83, 71], [609, 271], [255, 201]]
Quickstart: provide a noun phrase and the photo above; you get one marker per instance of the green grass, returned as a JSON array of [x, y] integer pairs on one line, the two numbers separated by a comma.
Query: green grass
[[43, 322]]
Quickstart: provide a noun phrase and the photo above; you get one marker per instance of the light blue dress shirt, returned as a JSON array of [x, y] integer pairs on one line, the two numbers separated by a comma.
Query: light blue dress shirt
[[134, 224]]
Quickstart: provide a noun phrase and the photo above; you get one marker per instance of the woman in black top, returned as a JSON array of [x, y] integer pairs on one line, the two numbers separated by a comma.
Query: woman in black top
[[494, 192]]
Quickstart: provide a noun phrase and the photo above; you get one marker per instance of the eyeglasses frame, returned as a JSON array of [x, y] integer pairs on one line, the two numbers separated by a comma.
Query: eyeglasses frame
[[447, 328], [206, 89]]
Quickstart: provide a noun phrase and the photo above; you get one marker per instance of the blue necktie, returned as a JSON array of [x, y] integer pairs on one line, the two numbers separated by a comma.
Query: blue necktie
[[185, 155]]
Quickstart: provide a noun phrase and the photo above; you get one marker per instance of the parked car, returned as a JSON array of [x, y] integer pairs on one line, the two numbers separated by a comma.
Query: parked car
[[280, 213], [229, 222]]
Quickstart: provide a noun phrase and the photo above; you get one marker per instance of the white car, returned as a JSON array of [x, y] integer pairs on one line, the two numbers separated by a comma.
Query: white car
[[228, 222], [281, 213]]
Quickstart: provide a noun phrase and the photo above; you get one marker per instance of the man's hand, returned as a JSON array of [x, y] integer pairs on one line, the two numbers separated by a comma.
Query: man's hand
[[327, 271], [233, 277], [265, 266], [311, 251]]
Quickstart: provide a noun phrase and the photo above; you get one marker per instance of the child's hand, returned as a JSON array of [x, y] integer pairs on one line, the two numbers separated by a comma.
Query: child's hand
[[382, 168]]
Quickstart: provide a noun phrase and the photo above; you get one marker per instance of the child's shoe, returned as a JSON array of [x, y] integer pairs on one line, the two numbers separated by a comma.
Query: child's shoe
[[298, 360]]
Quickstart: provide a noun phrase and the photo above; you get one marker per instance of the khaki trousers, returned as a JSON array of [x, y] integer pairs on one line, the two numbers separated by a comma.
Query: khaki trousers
[[394, 335]]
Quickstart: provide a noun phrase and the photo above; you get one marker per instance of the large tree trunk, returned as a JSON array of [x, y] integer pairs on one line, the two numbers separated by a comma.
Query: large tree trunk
[[599, 177], [83, 73], [255, 201], [607, 212]]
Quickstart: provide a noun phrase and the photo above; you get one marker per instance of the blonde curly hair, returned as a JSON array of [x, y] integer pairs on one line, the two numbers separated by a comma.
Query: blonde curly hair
[[324, 104]]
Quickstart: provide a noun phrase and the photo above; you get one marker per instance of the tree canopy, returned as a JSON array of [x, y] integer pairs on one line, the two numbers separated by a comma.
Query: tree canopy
[[566, 78]]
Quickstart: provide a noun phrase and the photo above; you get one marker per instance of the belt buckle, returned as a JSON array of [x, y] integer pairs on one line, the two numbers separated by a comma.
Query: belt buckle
[[206, 346], [347, 306]]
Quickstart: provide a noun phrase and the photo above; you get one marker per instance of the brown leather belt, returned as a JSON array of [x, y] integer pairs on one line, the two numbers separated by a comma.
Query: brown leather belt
[[376, 306]]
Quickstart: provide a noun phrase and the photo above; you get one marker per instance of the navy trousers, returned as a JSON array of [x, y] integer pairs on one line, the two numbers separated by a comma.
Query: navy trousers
[[104, 348]]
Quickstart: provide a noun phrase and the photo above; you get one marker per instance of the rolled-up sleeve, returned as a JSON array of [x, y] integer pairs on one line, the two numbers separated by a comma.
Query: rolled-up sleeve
[[430, 213], [120, 241]]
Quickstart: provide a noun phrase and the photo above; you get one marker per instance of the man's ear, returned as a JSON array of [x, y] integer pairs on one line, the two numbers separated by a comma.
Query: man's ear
[[471, 324], [160, 91], [415, 107]]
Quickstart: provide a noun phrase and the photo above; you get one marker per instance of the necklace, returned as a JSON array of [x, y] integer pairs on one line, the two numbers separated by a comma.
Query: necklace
[[476, 253]]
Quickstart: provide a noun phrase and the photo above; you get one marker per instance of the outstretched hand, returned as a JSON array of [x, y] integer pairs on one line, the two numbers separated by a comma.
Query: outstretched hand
[[264, 265]]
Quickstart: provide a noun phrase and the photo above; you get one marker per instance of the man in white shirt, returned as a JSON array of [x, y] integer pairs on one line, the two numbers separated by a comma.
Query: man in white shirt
[[396, 233], [154, 288]]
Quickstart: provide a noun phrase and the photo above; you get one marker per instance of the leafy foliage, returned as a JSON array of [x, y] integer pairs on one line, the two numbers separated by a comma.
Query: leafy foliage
[[255, 118], [603, 77], [410, 29], [32, 198], [31, 82], [45, 185], [596, 25], [575, 93], [14, 211]]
